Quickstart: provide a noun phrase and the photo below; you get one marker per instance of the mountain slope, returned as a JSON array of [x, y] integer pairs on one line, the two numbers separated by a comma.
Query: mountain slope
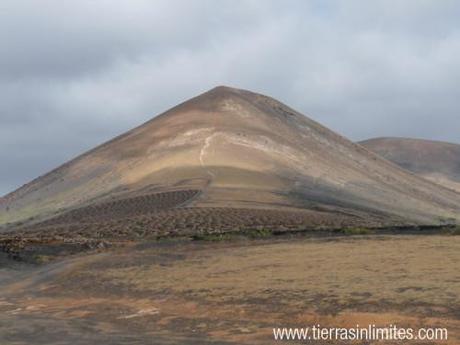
[[434, 160], [234, 149]]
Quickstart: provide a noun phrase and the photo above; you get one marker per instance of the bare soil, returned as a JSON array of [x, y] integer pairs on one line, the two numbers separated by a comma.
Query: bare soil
[[233, 292]]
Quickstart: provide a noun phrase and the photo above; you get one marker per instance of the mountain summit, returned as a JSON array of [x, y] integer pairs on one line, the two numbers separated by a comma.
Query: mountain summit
[[234, 149]]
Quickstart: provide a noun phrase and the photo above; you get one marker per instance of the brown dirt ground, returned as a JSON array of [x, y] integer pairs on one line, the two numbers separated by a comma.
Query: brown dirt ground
[[234, 292]]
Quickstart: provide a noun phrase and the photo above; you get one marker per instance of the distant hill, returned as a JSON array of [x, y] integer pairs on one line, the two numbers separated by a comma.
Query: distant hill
[[230, 149], [434, 160]]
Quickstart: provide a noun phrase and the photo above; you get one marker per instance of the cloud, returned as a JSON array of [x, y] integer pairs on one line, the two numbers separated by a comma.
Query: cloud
[[74, 74]]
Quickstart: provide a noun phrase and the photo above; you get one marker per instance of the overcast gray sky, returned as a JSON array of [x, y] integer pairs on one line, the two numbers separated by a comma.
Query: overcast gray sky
[[75, 73]]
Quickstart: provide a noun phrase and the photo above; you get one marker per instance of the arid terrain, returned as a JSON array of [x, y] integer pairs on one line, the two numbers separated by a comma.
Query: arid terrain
[[233, 292], [433, 160], [214, 222], [228, 160]]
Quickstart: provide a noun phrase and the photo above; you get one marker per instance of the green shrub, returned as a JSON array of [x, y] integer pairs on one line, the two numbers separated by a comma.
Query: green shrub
[[356, 231], [258, 233]]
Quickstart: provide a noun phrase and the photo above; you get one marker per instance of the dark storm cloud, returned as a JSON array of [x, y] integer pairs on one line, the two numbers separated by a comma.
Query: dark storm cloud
[[73, 74]]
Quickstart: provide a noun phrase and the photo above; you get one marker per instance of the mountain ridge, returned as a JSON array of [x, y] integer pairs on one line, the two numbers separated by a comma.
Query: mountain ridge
[[437, 161]]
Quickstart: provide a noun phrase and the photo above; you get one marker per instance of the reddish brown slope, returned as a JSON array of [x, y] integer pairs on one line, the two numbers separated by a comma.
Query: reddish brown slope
[[434, 160]]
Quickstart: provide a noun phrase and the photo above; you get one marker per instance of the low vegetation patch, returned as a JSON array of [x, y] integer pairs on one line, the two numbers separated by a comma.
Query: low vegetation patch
[[356, 231], [212, 237], [225, 236], [261, 233], [258, 233], [453, 230], [42, 259]]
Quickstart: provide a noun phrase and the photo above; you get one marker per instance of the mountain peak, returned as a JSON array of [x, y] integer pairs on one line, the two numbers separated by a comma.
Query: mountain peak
[[238, 149], [223, 92], [224, 89]]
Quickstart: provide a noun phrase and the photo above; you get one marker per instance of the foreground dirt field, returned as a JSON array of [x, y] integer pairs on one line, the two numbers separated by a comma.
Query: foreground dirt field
[[233, 292]]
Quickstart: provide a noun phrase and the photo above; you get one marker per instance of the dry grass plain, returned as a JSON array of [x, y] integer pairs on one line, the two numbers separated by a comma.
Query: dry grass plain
[[233, 292]]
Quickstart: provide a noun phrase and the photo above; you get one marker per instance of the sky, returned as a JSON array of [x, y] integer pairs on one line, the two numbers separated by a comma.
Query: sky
[[73, 74]]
